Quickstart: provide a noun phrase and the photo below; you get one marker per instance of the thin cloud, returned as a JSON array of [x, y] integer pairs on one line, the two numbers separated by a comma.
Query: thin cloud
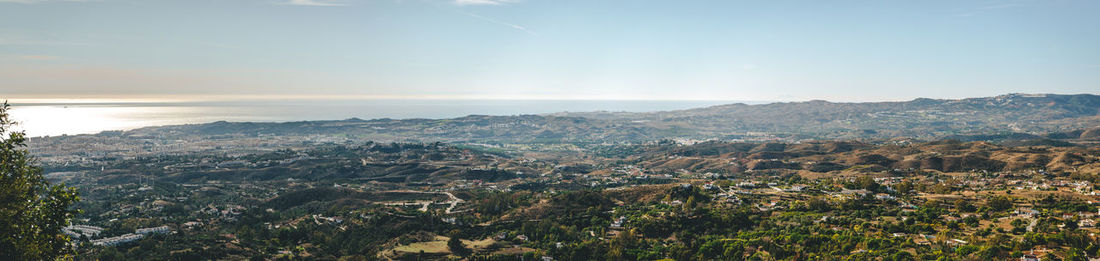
[[40, 1], [992, 6], [495, 21], [1000, 6], [315, 3], [23, 40], [38, 57], [28, 58], [483, 2]]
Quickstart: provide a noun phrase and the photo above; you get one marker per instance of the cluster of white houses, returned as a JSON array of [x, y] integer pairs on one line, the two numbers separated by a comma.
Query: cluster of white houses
[[110, 241], [138, 234], [77, 230]]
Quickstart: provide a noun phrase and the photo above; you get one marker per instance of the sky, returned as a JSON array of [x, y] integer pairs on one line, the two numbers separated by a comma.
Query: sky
[[772, 50]]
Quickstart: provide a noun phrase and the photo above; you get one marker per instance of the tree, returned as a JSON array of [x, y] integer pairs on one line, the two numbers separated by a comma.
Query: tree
[[866, 182], [904, 187], [618, 246], [456, 246], [1070, 224], [999, 203], [963, 205], [32, 212], [818, 204]]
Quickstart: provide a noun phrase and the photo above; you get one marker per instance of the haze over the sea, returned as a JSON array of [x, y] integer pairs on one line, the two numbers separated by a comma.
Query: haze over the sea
[[45, 118]]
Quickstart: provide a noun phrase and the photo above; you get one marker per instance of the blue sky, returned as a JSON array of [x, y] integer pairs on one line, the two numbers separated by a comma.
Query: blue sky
[[549, 49]]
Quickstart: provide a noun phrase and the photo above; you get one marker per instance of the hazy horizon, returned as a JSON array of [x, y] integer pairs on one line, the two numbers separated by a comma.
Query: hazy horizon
[[110, 99], [70, 118], [53, 117]]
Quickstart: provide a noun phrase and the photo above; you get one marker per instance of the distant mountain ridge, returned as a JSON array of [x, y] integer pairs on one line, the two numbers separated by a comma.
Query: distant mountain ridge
[[919, 118], [1040, 119]]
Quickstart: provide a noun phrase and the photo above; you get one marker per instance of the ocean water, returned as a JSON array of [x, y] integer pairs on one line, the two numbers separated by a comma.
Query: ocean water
[[53, 119]]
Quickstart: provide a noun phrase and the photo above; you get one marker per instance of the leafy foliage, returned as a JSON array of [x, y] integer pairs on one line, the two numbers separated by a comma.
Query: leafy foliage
[[32, 212]]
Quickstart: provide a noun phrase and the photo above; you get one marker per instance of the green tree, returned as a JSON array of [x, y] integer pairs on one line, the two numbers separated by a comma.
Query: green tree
[[619, 245], [904, 187], [866, 182], [999, 203], [456, 246], [32, 212], [964, 205], [1070, 224], [818, 204]]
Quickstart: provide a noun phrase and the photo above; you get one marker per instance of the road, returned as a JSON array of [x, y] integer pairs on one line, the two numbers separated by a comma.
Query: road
[[424, 204]]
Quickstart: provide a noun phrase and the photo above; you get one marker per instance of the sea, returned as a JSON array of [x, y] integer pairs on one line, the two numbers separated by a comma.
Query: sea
[[40, 119]]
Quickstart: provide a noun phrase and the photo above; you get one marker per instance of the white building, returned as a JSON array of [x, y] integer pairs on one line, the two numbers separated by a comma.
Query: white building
[[154, 230], [77, 230], [110, 241]]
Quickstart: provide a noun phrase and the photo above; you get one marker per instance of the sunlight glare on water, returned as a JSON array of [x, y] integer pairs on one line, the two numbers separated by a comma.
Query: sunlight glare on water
[[53, 119], [56, 120]]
